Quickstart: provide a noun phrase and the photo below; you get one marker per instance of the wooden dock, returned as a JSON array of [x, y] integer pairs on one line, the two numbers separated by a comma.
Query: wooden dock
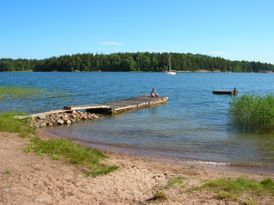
[[110, 108], [121, 106], [69, 114]]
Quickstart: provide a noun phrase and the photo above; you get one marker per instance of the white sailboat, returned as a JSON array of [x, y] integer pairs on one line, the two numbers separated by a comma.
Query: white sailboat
[[170, 72]]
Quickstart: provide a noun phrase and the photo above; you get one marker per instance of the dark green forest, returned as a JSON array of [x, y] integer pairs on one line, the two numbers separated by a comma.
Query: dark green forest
[[140, 61]]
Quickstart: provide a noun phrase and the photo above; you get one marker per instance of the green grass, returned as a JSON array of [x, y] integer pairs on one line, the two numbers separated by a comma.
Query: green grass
[[253, 112], [62, 149], [9, 124], [7, 173], [70, 152], [175, 182], [233, 189], [17, 92], [159, 195]]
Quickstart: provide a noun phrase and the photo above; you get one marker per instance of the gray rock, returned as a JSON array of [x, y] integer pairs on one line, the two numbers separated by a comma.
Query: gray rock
[[41, 123], [42, 116], [94, 116], [60, 122], [65, 117]]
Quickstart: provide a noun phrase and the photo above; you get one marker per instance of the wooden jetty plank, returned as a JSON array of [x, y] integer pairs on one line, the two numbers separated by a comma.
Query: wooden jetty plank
[[48, 113], [137, 103], [122, 105], [135, 100], [86, 107]]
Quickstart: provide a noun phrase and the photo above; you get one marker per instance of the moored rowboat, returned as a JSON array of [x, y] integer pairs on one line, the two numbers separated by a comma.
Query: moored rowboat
[[225, 92]]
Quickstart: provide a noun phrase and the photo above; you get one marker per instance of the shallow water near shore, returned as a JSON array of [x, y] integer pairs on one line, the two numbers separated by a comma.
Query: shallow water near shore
[[194, 124]]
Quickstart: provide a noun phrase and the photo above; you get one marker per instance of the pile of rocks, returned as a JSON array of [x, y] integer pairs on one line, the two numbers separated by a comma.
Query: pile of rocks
[[49, 120]]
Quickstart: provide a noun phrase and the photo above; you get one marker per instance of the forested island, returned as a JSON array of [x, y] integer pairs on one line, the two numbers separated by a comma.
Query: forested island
[[140, 61]]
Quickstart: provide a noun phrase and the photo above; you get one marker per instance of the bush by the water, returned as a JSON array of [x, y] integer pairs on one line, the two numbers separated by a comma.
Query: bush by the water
[[253, 112]]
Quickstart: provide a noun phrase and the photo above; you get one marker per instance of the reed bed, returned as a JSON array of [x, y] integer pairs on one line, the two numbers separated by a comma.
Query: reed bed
[[253, 113], [17, 92]]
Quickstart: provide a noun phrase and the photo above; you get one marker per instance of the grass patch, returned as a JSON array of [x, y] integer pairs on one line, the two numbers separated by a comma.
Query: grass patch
[[233, 189], [159, 195], [7, 173], [63, 149], [253, 112], [17, 92], [175, 182], [70, 152], [249, 202], [8, 123]]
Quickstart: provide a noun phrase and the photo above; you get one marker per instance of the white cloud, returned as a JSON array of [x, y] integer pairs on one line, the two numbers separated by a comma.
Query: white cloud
[[111, 43]]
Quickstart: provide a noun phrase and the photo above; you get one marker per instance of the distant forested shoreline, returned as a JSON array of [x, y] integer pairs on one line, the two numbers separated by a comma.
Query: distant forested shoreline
[[140, 61]]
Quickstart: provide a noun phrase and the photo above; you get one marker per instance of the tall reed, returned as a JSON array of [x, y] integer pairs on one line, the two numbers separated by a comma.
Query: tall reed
[[253, 113]]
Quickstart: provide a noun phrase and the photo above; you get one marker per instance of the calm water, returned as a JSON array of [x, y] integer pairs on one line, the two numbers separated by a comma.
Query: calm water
[[193, 125]]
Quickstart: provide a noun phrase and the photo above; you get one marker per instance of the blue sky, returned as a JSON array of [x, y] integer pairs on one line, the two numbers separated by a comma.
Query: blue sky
[[234, 29]]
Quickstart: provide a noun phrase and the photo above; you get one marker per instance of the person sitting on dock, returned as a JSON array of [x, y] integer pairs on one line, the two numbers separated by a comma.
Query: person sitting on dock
[[235, 91], [153, 93]]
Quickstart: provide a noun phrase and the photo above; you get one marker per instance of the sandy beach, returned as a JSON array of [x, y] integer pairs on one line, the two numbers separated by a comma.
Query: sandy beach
[[27, 178]]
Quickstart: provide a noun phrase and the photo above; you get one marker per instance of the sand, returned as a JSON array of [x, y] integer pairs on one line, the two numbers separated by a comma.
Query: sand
[[27, 178]]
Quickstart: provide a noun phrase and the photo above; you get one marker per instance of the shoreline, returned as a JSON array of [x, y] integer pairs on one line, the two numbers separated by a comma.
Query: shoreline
[[136, 153], [28, 178], [178, 71]]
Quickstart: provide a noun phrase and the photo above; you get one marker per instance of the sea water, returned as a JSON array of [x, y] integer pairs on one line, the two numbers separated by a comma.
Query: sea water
[[194, 124]]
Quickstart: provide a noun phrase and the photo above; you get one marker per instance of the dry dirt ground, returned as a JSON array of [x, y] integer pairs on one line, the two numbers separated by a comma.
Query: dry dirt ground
[[26, 179]]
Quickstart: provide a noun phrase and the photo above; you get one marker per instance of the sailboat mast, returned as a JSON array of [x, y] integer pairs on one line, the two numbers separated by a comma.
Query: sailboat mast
[[169, 62]]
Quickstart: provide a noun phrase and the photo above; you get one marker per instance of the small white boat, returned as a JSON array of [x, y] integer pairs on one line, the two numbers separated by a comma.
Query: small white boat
[[170, 72]]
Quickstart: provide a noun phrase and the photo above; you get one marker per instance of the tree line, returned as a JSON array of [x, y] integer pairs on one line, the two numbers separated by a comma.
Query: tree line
[[140, 61]]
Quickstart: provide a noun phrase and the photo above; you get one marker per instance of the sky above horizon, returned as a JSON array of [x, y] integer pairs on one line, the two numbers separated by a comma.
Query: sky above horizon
[[233, 29]]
